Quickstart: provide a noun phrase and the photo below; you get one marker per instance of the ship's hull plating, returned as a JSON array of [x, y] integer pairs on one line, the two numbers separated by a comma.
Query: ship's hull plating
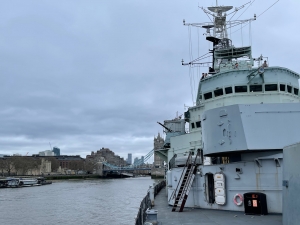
[[248, 141]]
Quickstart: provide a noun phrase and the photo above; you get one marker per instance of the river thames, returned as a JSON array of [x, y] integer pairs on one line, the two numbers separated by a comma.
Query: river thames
[[101, 201]]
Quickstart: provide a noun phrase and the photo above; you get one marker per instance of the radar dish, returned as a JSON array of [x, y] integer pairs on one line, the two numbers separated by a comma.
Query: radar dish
[[220, 9]]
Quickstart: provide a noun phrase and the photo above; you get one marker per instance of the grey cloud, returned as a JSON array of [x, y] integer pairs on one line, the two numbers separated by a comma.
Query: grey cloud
[[90, 74]]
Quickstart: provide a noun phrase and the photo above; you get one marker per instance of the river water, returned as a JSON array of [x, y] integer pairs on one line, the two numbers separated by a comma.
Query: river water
[[101, 201]]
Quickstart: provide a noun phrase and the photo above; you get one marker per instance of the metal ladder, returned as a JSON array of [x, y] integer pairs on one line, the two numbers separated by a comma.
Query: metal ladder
[[185, 182], [259, 71]]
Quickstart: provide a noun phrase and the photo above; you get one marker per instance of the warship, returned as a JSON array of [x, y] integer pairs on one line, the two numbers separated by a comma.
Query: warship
[[227, 151]]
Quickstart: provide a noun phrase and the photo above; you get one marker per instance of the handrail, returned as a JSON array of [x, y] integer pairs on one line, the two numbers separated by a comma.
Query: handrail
[[146, 203], [187, 183], [181, 177]]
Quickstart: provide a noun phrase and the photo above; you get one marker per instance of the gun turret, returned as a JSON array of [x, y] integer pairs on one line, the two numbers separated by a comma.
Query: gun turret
[[168, 129]]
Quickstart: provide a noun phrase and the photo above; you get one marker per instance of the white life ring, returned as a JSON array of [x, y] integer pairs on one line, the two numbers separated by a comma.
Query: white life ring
[[235, 199]]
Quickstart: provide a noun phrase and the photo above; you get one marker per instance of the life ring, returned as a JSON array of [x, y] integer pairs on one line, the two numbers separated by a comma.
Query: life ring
[[235, 199]]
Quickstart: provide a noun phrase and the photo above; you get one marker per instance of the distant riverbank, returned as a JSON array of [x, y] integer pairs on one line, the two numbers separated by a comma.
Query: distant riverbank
[[71, 177]]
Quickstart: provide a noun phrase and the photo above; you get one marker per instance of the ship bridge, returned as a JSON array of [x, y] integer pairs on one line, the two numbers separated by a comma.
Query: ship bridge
[[255, 86]]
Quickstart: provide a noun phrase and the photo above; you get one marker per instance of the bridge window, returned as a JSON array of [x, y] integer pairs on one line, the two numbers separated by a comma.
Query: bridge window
[[271, 87], [218, 92], [282, 87], [208, 95], [198, 124], [255, 88], [289, 89], [193, 125], [296, 91], [228, 90], [239, 89]]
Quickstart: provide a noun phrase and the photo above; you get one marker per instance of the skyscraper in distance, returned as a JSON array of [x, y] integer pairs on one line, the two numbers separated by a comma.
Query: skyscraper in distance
[[56, 151], [129, 159]]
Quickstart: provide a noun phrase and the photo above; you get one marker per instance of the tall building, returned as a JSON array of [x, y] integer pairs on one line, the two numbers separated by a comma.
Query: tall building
[[46, 153], [129, 159], [158, 144], [56, 151]]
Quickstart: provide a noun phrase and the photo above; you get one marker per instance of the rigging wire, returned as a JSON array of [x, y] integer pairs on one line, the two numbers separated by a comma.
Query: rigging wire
[[233, 15], [242, 34], [200, 58], [191, 84], [237, 9], [194, 83], [246, 9], [256, 17], [267, 9], [250, 33], [198, 68], [191, 56], [190, 44], [208, 16]]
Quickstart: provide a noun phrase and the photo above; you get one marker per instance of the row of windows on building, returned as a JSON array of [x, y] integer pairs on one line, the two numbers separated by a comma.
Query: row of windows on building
[[251, 88]]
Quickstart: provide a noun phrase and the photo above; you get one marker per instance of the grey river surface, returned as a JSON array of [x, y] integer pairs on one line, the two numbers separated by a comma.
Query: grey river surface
[[101, 201]]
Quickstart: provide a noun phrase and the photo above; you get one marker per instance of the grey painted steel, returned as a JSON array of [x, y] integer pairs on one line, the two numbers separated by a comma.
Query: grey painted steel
[[239, 77], [241, 128], [250, 127], [291, 185], [251, 178], [196, 216]]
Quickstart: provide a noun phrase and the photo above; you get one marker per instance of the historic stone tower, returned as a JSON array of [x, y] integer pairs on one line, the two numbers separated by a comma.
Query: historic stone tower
[[158, 144]]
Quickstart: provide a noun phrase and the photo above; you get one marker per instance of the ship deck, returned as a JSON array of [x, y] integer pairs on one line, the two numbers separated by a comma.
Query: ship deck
[[193, 216]]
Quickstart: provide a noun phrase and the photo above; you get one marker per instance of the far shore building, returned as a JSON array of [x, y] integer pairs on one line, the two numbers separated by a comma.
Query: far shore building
[[56, 151], [10, 165], [46, 153], [69, 161], [129, 159], [108, 155]]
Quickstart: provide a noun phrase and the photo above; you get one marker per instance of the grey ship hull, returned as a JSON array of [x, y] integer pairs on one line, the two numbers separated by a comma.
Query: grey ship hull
[[250, 141]]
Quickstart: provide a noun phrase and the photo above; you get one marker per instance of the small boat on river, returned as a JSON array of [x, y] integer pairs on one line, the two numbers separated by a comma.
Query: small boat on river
[[28, 182], [13, 182], [43, 181]]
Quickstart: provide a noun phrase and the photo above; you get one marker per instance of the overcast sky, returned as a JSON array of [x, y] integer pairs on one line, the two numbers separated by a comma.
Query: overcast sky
[[84, 75]]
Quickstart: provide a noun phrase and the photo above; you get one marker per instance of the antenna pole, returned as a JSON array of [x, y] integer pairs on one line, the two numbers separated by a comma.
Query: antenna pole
[[216, 2]]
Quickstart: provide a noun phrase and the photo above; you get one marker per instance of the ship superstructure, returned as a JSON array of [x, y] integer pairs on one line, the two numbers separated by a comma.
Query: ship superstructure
[[246, 112]]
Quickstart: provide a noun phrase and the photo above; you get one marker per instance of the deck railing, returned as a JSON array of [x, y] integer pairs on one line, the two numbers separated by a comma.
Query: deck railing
[[146, 203]]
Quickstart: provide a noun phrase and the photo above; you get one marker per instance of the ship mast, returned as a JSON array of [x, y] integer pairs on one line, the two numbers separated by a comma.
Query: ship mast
[[219, 26]]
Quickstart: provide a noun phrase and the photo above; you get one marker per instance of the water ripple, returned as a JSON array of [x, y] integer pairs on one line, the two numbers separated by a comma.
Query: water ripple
[[114, 201]]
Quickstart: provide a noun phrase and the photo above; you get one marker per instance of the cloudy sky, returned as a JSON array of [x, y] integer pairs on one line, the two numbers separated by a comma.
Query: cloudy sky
[[84, 75]]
